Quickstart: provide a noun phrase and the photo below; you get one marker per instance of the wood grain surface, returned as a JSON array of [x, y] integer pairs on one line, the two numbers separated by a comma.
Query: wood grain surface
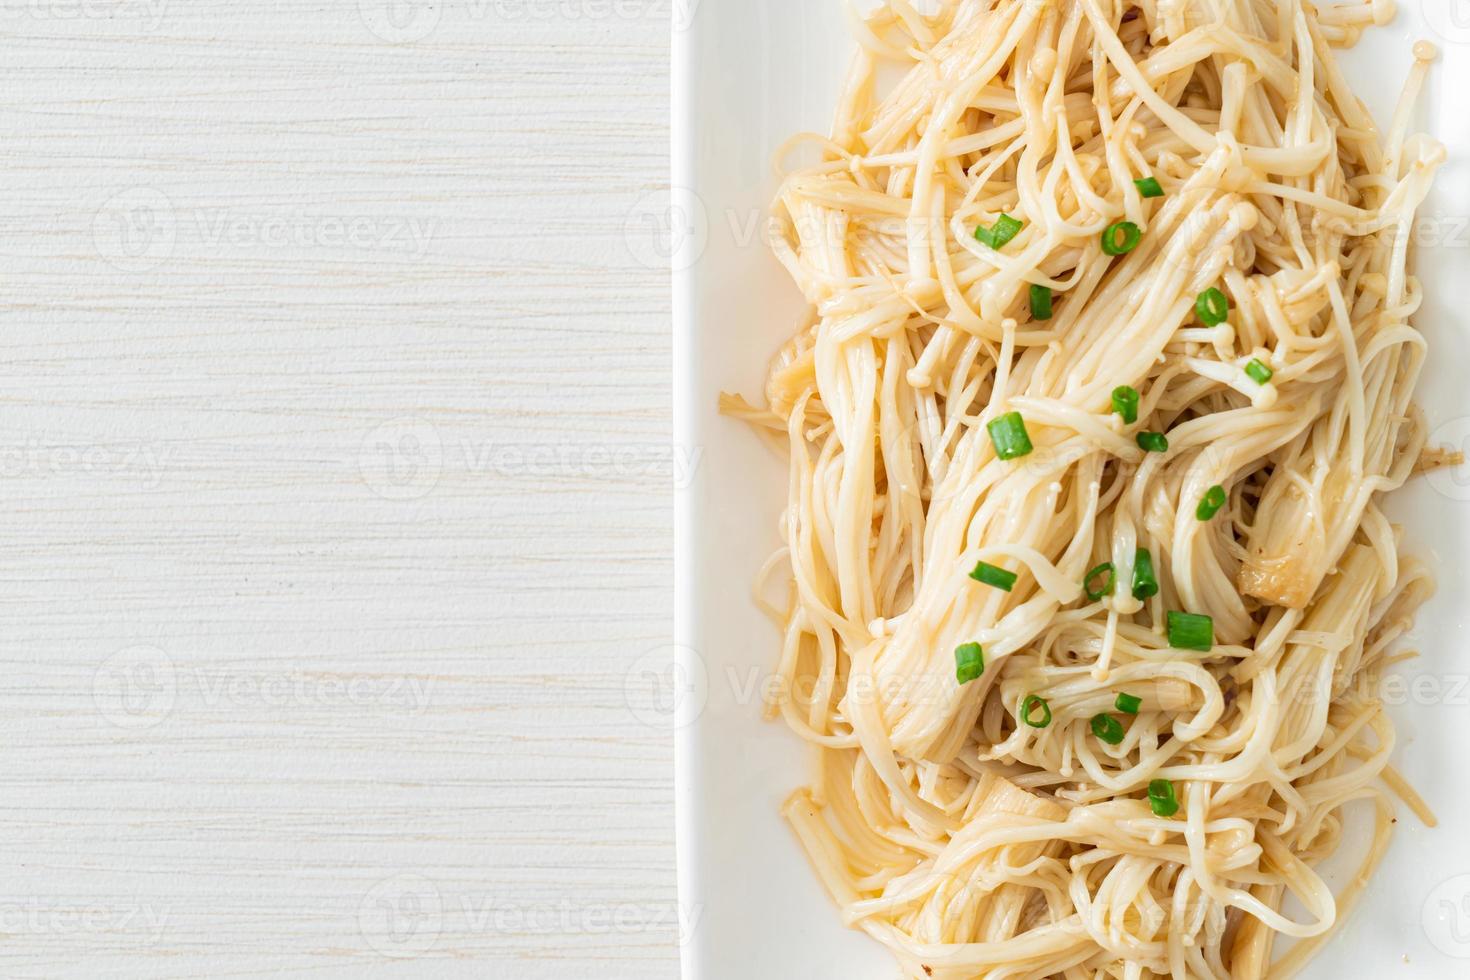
[[336, 474]]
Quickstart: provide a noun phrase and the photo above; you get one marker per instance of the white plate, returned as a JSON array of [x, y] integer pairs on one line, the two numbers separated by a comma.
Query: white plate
[[748, 74]]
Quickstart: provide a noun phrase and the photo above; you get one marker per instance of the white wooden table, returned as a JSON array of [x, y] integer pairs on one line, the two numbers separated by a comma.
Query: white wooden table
[[336, 476]]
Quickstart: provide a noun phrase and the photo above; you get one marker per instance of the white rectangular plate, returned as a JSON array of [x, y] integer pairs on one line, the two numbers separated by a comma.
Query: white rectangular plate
[[747, 75]]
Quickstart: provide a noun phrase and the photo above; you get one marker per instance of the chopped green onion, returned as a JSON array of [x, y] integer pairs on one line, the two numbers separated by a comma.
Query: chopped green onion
[[969, 662], [1028, 708], [1040, 303], [1145, 582], [1128, 704], [1008, 435], [1004, 229], [1190, 632], [1212, 307], [990, 575], [1161, 797], [1108, 729], [1153, 442], [1149, 187], [1125, 403], [1258, 372], [1107, 589], [1211, 503], [1121, 238]]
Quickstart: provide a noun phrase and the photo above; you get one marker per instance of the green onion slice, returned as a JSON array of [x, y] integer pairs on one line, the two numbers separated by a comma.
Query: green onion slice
[[1212, 307], [969, 662], [998, 234], [1152, 442], [1121, 238], [1107, 728], [1125, 403], [1107, 588], [1210, 503], [1161, 797], [1190, 632], [1149, 187], [1028, 711], [990, 575], [1008, 435], [1041, 303], [1145, 582], [1128, 704], [1258, 372]]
